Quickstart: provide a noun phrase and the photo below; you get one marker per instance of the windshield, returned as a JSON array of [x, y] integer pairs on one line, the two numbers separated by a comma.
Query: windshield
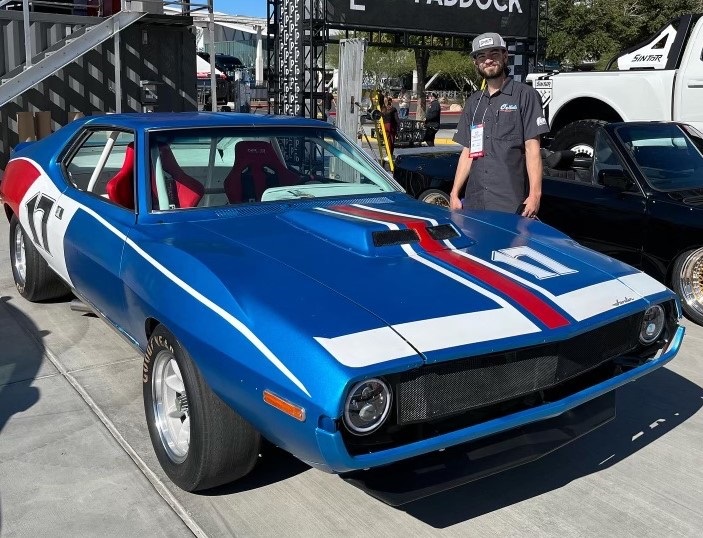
[[238, 165], [669, 155]]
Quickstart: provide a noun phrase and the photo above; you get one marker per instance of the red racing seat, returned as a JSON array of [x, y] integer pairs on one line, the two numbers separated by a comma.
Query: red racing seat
[[189, 191], [120, 189], [256, 168]]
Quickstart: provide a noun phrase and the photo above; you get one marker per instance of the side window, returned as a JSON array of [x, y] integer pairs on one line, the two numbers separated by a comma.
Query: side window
[[104, 165], [605, 158]]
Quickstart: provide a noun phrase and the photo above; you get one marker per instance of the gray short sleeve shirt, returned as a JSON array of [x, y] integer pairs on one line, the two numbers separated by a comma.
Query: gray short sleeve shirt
[[498, 180]]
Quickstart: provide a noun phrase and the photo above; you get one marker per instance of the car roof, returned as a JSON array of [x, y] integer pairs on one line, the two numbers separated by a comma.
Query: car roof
[[173, 120]]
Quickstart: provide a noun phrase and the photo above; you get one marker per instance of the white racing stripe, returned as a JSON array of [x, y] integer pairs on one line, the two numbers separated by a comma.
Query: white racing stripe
[[581, 303], [236, 323], [383, 344]]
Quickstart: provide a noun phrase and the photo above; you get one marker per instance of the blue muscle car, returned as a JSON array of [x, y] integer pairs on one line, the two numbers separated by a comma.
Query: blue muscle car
[[281, 286]]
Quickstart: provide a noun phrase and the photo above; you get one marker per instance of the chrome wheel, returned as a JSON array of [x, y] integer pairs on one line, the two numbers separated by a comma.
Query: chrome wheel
[[436, 198], [170, 403], [691, 281], [582, 150], [20, 258]]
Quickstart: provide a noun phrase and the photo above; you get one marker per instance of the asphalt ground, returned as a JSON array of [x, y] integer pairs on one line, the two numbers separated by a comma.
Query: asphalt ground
[[76, 460]]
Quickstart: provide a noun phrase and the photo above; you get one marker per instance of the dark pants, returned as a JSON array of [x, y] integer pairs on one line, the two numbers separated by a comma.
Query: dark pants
[[430, 133]]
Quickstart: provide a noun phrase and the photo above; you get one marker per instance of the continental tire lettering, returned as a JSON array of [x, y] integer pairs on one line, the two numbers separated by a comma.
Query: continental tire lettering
[[547, 268]]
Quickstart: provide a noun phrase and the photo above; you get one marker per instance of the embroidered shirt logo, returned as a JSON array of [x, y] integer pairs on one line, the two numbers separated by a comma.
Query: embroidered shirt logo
[[506, 107], [541, 121]]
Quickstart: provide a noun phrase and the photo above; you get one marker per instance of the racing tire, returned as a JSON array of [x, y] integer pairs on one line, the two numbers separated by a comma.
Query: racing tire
[[34, 279], [199, 440], [435, 197], [687, 282], [578, 137]]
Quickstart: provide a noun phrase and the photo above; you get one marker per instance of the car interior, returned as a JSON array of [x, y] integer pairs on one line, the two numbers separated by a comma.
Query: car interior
[[195, 169]]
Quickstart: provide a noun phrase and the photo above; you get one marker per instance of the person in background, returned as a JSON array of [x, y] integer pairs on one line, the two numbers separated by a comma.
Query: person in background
[[404, 106], [330, 103], [391, 121], [432, 118], [500, 130]]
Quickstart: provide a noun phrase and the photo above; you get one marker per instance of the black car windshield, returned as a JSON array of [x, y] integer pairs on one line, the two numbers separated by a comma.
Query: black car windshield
[[223, 166], [669, 155]]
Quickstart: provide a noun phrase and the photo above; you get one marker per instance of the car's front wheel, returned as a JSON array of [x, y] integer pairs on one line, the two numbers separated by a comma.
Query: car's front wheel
[[34, 279], [687, 282], [199, 440], [435, 196]]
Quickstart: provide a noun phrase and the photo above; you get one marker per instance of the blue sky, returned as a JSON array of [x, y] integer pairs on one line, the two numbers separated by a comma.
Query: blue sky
[[252, 8]]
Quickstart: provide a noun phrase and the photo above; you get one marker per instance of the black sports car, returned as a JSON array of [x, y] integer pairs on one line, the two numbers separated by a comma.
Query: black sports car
[[638, 198]]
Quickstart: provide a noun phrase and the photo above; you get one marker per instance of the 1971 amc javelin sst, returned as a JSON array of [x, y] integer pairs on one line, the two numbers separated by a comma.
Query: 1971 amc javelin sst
[[281, 286]]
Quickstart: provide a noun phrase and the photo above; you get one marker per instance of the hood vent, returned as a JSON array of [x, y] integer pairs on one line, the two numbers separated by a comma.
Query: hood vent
[[442, 232], [401, 237], [394, 237]]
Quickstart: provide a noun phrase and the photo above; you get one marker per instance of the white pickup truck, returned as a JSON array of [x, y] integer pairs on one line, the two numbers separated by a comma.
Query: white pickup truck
[[659, 79]]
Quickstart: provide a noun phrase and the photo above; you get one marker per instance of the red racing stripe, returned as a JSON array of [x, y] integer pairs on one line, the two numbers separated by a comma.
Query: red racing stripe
[[520, 294], [19, 175]]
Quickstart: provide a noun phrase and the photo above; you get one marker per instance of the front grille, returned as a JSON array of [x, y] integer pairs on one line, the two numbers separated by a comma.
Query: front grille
[[444, 389]]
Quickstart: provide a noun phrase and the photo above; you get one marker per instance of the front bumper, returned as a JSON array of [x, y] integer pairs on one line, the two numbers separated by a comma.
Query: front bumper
[[336, 458]]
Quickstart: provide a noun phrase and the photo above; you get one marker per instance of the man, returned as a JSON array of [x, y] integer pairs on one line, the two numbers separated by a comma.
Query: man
[[404, 106], [499, 129], [432, 117]]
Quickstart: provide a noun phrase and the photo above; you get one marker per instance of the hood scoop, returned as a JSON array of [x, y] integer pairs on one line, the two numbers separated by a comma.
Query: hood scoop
[[368, 237]]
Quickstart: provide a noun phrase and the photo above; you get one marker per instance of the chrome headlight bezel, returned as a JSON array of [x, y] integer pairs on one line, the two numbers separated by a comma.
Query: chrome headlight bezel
[[656, 315], [353, 399]]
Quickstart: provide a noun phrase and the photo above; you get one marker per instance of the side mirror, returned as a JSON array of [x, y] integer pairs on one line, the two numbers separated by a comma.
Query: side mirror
[[615, 178]]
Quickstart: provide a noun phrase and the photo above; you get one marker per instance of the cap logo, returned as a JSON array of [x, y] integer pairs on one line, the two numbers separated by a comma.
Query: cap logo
[[485, 42]]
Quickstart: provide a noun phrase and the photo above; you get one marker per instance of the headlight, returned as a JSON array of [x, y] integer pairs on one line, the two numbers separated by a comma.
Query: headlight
[[367, 406], [652, 324]]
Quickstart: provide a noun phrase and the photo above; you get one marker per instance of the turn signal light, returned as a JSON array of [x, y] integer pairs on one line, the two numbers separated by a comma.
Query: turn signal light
[[285, 406]]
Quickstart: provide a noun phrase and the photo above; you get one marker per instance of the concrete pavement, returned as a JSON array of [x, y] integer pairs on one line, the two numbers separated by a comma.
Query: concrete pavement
[[76, 460]]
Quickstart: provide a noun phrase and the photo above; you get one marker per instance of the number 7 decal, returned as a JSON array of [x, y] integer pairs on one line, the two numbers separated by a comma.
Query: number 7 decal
[[547, 267], [40, 203]]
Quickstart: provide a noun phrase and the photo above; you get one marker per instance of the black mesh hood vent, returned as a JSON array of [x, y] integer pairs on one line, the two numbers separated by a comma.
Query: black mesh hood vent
[[394, 237]]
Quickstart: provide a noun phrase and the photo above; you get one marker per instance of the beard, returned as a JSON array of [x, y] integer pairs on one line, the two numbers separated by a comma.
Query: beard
[[494, 71]]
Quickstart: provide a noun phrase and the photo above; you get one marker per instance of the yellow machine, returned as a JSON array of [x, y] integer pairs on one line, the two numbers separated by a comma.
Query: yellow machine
[[384, 148]]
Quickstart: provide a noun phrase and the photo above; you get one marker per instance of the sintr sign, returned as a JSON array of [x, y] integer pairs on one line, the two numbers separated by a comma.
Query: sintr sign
[[510, 18]]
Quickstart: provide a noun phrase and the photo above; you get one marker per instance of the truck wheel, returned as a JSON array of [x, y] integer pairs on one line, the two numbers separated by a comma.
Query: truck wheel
[[578, 137], [435, 196], [199, 440], [33, 277], [687, 282]]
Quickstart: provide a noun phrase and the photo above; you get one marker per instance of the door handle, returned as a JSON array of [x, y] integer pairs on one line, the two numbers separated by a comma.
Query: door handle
[[695, 83]]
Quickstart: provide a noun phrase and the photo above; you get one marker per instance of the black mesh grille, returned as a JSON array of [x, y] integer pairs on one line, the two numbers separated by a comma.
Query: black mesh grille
[[444, 389], [394, 237], [441, 232]]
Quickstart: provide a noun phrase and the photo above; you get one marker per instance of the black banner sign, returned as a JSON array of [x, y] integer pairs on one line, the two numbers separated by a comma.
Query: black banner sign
[[515, 19]]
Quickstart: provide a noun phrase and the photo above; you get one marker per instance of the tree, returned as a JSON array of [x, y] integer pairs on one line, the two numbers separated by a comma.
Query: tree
[[597, 30], [383, 62], [458, 66]]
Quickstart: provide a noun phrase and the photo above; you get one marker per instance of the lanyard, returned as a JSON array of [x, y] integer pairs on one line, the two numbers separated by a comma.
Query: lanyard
[[473, 118]]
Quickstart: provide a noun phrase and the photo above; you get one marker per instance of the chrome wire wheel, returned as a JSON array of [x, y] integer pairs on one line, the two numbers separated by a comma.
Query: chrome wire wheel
[[20, 258], [691, 278], [170, 402]]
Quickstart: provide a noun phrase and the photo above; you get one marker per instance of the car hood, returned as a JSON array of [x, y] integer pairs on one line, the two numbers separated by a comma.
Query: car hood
[[449, 284]]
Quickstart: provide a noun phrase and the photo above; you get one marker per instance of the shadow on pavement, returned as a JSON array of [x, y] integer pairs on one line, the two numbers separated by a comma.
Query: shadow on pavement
[[646, 410], [274, 466], [20, 359]]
